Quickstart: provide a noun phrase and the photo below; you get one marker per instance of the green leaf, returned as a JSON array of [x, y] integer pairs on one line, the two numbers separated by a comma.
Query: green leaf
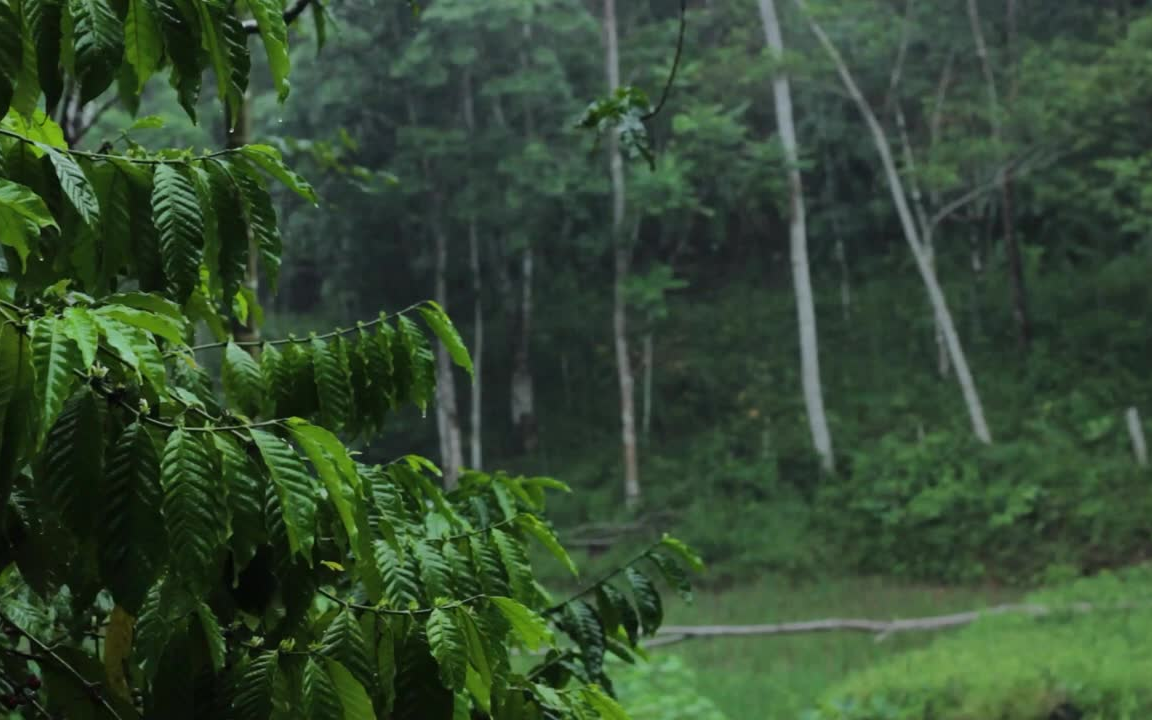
[[148, 301], [56, 358], [261, 216], [438, 320], [73, 458], [534, 527], [421, 362], [529, 627], [434, 570], [253, 696], [14, 232], [98, 39], [446, 640], [27, 95], [143, 43], [81, 328], [321, 699], [193, 512], [673, 574], [270, 161], [120, 342], [515, 561], [245, 500], [243, 382], [174, 331], [42, 19], [616, 611], [295, 490], [24, 202], [182, 43], [648, 603], [401, 580], [176, 213], [236, 45], [608, 708], [333, 381], [147, 122], [684, 552], [11, 54], [344, 642], [274, 32], [131, 530], [213, 637], [353, 696], [214, 43], [583, 626]]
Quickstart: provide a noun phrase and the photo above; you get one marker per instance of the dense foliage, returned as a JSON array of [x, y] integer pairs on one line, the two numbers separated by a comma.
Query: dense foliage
[[170, 551], [725, 448]]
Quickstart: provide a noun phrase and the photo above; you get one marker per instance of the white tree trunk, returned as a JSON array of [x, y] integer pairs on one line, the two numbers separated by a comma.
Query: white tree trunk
[[523, 397], [1136, 433], [475, 441], [911, 234], [801, 278], [447, 414], [621, 262]]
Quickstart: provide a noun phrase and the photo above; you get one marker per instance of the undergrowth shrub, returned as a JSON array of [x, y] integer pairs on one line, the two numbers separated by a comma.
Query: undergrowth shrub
[[1067, 664]]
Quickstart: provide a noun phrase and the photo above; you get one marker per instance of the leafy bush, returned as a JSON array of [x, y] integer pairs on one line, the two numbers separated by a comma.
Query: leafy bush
[[1065, 665], [168, 552], [663, 689], [942, 507]]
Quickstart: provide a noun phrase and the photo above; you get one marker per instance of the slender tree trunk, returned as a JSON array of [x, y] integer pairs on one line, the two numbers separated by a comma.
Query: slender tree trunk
[[801, 278], [476, 419], [475, 443], [911, 234], [447, 413], [1011, 246], [523, 397], [239, 136], [621, 260], [646, 408]]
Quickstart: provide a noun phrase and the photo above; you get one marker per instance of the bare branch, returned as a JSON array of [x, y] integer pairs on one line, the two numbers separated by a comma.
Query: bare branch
[[88, 119], [290, 16]]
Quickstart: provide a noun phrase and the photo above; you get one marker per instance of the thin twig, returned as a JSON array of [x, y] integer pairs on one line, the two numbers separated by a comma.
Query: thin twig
[[292, 340], [92, 688], [125, 158], [592, 587], [675, 64], [405, 613]]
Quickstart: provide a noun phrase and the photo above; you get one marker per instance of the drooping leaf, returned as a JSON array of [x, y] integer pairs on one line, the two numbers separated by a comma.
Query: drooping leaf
[[344, 642], [534, 527], [447, 643], [42, 19], [57, 359], [274, 32], [333, 381], [617, 611], [605, 706], [98, 37], [268, 159], [193, 512], [684, 552], [254, 688], [321, 699], [11, 54], [143, 42], [583, 626], [515, 560], [261, 216], [245, 499], [81, 328], [25, 203], [420, 362], [673, 574], [172, 330], [181, 33], [528, 627], [213, 636], [294, 488], [401, 580], [648, 604], [434, 570], [353, 696], [73, 462], [176, 213], [438, 320], [131, 530], [243, 382]]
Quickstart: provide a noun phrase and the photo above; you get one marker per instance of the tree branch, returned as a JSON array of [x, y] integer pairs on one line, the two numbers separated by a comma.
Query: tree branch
[[290, 16], [675, 64], [88, 121]]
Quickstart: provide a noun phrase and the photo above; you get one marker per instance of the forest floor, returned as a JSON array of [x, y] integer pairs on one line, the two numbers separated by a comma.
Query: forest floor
[[779, 677]]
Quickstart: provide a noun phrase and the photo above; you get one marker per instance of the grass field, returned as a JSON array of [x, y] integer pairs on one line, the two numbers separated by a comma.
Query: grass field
[[777, 678]]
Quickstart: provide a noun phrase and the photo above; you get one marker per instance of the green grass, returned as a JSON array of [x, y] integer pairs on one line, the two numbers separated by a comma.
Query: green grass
[[779, 677]]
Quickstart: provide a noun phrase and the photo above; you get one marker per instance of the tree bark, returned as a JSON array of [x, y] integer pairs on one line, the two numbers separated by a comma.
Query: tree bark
[[911, 233], [447, 413], [523, 397], [475, 424], [1011, 246], [621, 261], [646, 408], [801, 277]]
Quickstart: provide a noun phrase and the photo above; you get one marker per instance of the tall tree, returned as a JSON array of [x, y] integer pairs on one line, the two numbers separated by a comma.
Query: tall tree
[[798, 242], [621, 257], [911, 232]]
